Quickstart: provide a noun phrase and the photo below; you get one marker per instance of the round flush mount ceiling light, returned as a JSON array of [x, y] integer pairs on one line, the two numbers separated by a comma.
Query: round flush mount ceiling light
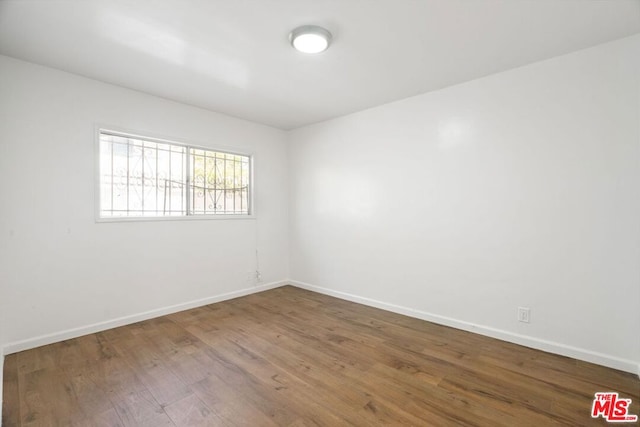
[[310, 39]]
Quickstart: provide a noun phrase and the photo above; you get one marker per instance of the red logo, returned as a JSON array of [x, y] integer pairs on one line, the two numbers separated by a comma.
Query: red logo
[[613, 409]]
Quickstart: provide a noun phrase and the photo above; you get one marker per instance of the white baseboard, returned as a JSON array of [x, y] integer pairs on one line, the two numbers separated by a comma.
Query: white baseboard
[[41, 340], [527, 341], [539, 344]]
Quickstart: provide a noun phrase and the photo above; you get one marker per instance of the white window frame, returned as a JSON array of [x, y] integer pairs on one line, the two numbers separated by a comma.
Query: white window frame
[[148, 136]]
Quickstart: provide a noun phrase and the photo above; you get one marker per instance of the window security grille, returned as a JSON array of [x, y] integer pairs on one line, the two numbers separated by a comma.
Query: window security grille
[[142, 177]]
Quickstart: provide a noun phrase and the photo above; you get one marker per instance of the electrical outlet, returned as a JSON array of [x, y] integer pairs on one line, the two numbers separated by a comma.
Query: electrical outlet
[[524, 314]]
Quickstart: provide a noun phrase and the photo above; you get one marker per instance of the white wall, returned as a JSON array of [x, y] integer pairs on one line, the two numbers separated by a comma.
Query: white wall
[[518, 189], [60, 269]]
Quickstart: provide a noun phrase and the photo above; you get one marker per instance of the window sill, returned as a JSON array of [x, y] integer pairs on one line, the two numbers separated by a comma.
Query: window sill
[[177, 218]]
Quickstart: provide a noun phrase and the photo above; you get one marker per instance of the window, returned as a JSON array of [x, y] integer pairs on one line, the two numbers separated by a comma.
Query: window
[[147, 177]]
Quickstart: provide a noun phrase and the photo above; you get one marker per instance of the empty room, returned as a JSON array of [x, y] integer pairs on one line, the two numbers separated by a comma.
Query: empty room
[[319, 212]]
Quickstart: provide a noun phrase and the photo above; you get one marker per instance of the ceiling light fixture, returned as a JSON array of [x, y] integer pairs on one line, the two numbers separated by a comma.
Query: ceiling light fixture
[[310, 39]]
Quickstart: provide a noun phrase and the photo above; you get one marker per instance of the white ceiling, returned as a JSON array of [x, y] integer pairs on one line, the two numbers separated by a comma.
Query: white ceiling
[[234, 57]]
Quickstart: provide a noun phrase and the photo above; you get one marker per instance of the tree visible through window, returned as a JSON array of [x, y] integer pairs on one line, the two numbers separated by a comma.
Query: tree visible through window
[[145, 177]]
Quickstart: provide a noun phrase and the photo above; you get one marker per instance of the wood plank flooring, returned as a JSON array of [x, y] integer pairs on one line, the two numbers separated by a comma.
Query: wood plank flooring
[[290, 357]]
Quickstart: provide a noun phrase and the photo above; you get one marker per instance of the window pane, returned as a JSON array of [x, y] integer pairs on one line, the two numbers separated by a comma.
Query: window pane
[[140, 177], [219, 183], [144, 178]]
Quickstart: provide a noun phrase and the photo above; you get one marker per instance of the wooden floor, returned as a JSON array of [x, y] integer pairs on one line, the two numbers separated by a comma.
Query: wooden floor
[[290, 357]]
